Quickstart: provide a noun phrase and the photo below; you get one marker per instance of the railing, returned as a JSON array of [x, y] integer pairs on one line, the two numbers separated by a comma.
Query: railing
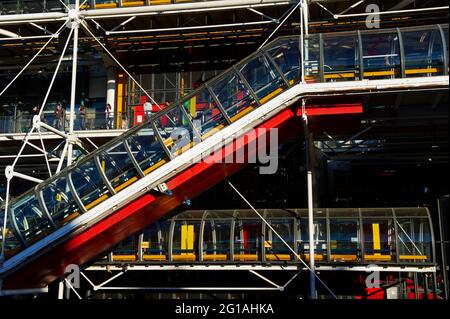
[[182, 125], [91, 121]]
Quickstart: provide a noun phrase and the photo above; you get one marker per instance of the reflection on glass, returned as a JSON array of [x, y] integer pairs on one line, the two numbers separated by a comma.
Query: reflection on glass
[[247, 240], [320, 239], [423, 53], [12, 243], [262, 77], [176, 131], [146, 149], [185, 240], [59, 201], [204, 113], [414, 240], [381, 55], [276, 250], [285, 53], [118, 167], [234, 96], [341, 58], [312, 59], [29, 218], [89, 185], [344, 240]]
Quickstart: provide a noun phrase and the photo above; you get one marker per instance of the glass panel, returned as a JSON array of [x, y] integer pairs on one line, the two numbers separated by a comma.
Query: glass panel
[[118, 167], [60, 202], [89, 185], [262, 78], [414, 240], [247, 241], [176, 131], [344, 240], [320, 239], [155, 244], [204, 113], [341, 60], [12, 244], [285, 53], [147, 150], [423, 53], [381, 55], [312, 59], [216, 240], [127, 247], [234, 96], [276, 250], [31, 221], [445, 29], [379, 240]]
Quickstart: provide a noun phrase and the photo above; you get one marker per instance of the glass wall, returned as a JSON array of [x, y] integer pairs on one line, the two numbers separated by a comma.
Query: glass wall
[[341, 236]]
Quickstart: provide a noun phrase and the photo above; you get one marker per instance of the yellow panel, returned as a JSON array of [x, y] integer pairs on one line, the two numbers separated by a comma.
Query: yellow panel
[[376, 237], [340, 75], [422, 71], [145, 245], [121, 95], [124, 258], [154, 257], [220, 257], [411, 257], [246, 257], [271, 95], [378, 73], [378, 257], [317, 257], [193, 106], [184, 257], [344, 257], [278, 257]]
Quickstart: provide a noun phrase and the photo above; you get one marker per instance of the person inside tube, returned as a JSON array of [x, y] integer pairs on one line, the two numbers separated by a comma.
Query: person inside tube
[[109, 116], [58, 117]]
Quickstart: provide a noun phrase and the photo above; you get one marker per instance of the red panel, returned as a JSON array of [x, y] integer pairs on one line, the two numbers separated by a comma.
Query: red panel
[[102, 236], [333, 109]]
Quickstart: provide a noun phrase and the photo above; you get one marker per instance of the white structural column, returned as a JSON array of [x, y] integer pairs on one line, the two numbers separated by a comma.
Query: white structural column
[[75, 24], [111, 86]]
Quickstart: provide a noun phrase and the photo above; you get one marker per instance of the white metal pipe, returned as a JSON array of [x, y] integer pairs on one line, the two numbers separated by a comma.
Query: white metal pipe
[[73, 86], [32, 17], [338, 16], [17, 292], [312, 279], [63, 155], [54, 130], [45, 153], [200, 27], [181, 8], [26, 177]]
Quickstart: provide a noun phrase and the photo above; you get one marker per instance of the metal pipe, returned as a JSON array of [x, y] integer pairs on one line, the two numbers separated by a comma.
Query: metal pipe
[[309, 184], [32, 59], [214, 26], [281, 23], [338, 16], [198, 6], [32, 17], [75, 28]]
